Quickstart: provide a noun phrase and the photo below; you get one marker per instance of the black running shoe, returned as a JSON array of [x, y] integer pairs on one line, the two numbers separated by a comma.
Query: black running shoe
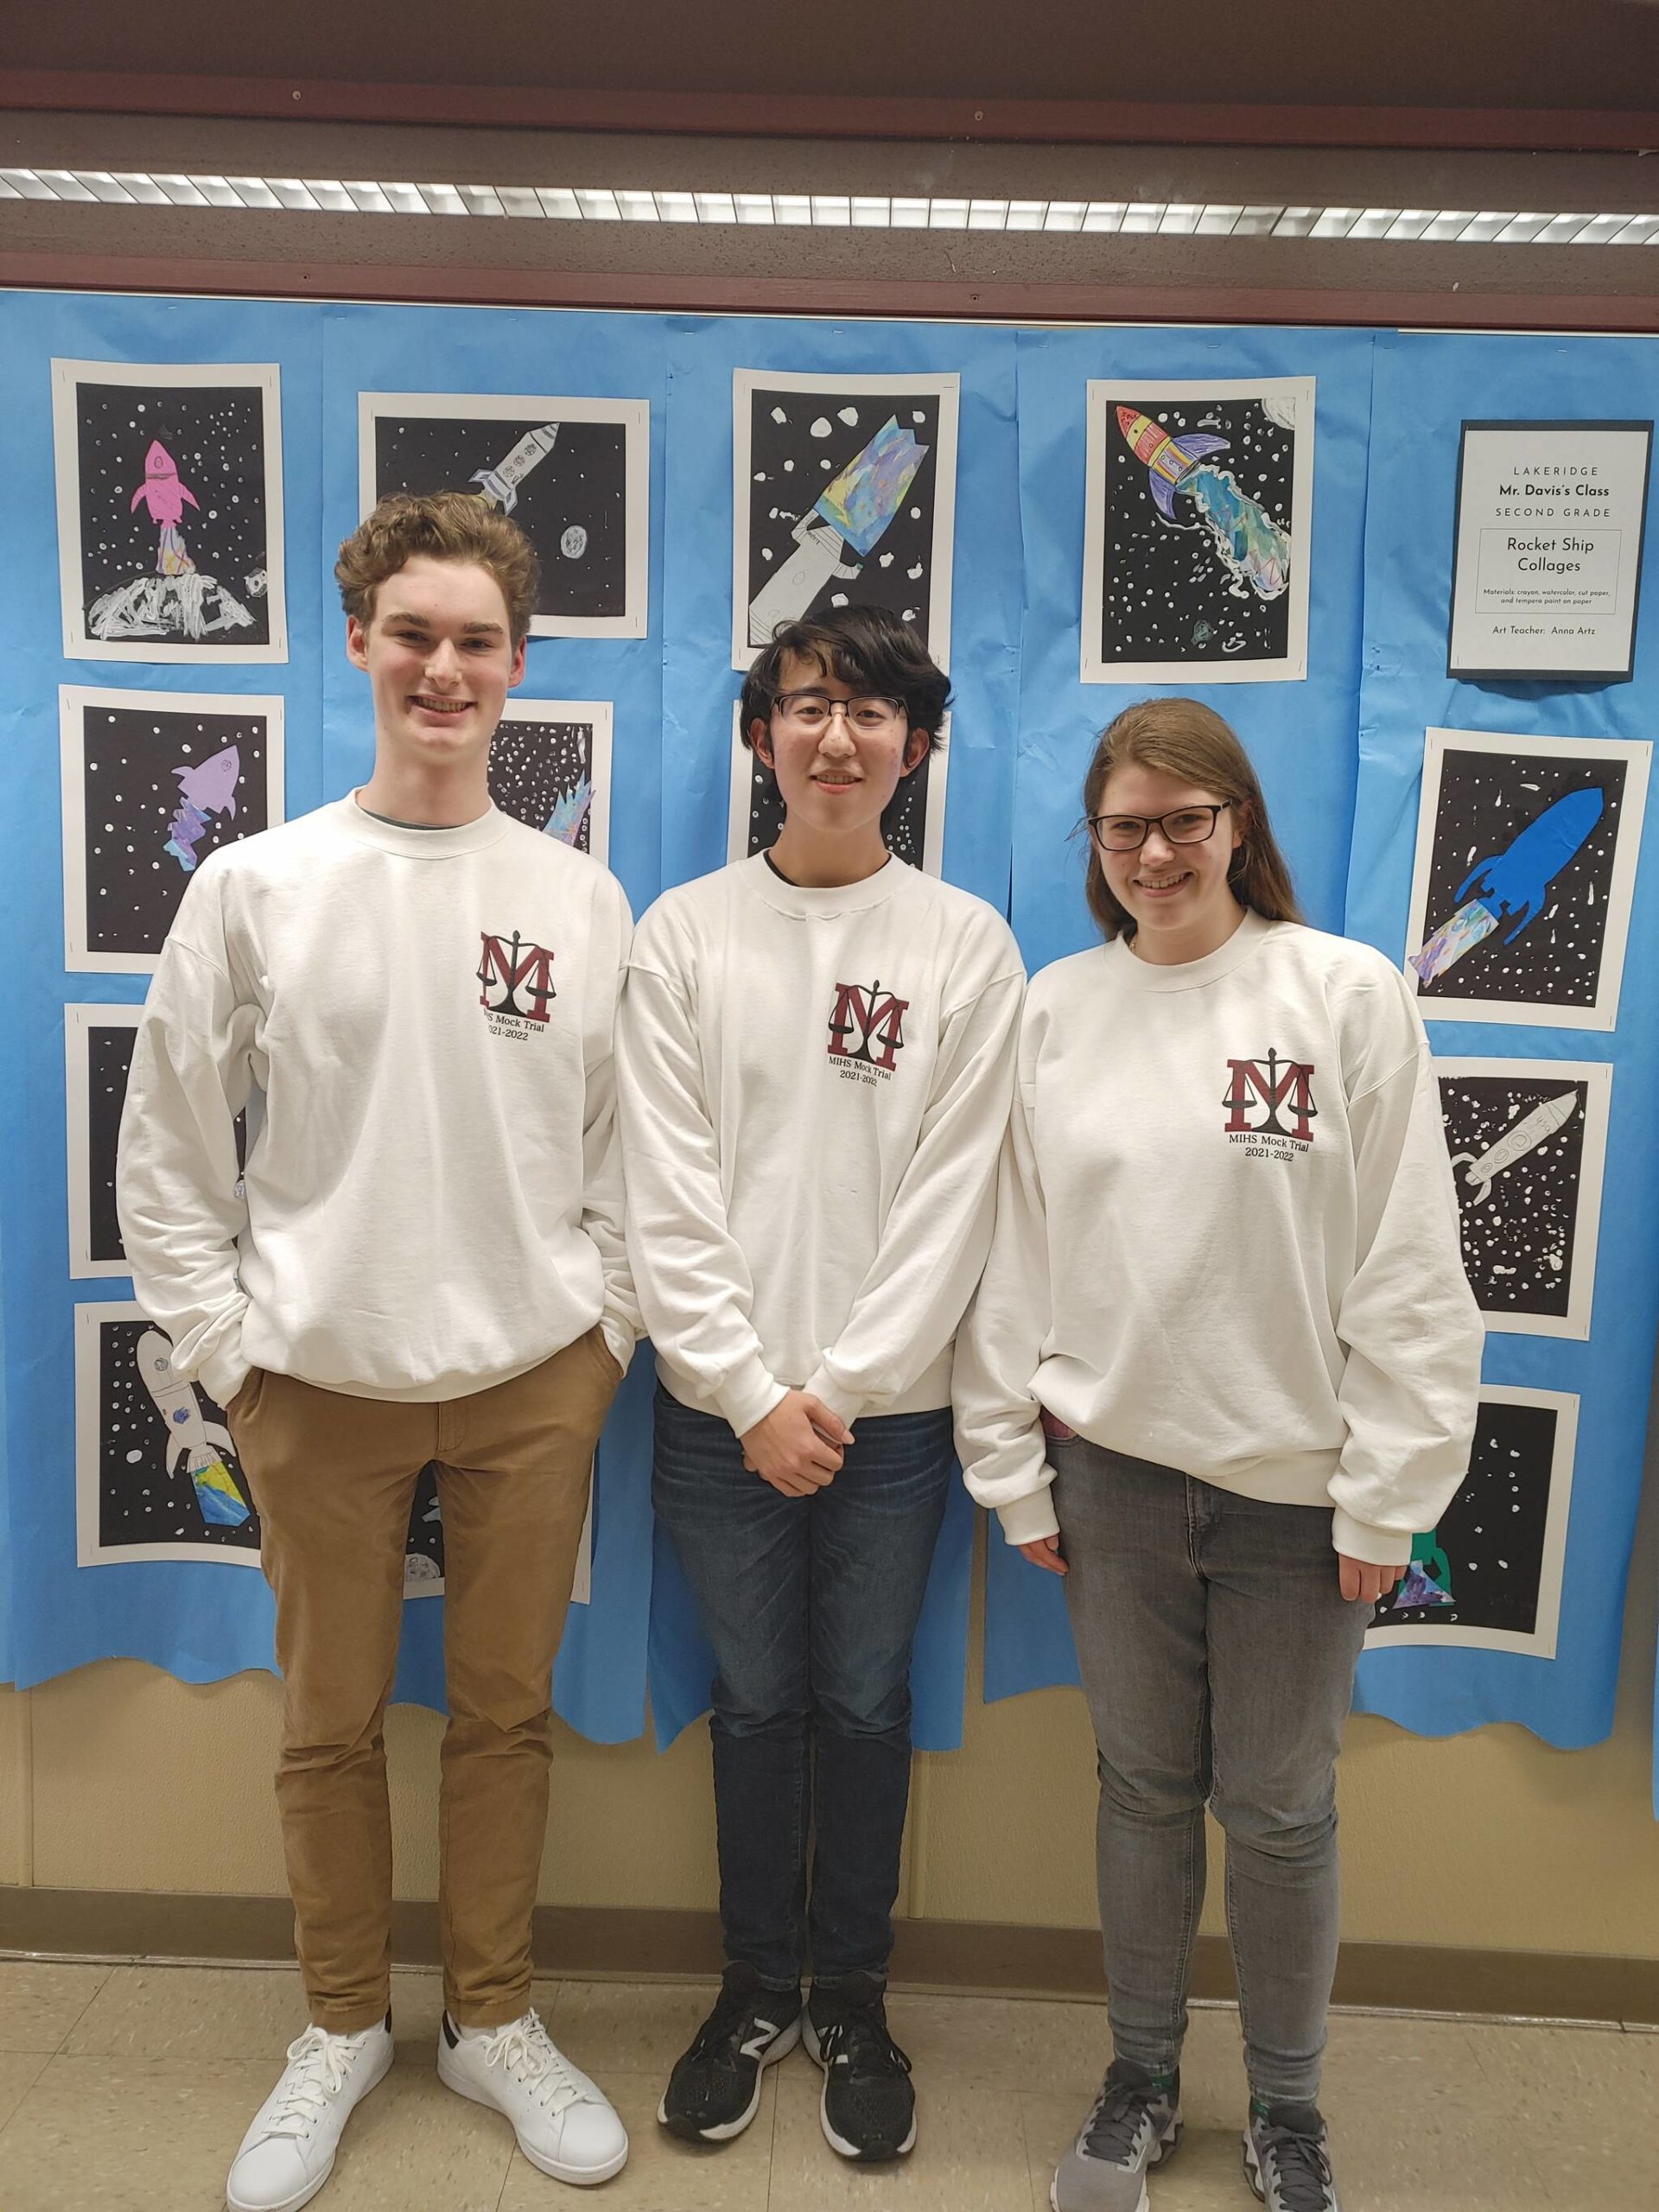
[[715, 2090], [868, 2109]]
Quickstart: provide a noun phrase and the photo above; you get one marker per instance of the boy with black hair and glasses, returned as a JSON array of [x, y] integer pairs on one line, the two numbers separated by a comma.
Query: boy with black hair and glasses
[[815, 1057]]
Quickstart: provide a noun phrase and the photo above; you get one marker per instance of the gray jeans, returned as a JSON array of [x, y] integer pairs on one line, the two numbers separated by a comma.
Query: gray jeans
[[1218, 1654]]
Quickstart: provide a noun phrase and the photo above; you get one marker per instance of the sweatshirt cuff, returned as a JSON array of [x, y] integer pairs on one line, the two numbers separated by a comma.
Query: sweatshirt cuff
[[224, 1370], [748, 1394], [620, 1339], [844, 1404], [1025, 1519], [1360, 1540]]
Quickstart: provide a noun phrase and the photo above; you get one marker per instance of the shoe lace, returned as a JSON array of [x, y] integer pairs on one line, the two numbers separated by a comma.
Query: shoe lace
[[318, 2064], [1112, 2131], [525, 2052], [1301, 2168], [858, 2040]]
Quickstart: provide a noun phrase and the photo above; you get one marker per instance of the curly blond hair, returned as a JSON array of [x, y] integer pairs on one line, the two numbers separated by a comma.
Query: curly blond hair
[[444, 526]]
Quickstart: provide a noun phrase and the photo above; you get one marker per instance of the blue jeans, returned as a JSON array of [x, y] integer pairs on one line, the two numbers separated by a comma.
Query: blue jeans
[[1218, 1654], [811, 1605]]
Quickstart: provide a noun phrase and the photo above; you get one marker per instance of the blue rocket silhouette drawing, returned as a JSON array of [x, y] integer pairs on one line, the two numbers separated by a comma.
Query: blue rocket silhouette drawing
[[1510, 887], [1516, 881]]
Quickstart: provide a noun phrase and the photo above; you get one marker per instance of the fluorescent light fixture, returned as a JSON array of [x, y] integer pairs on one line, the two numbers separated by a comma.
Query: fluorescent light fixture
[[830, 210]]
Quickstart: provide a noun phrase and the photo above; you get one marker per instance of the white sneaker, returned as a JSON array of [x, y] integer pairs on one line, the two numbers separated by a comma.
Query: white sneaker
[[565, 2126], [288, 2153]]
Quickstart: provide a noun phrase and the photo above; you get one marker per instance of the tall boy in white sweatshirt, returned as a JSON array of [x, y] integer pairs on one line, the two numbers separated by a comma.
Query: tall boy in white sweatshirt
[[815, 1059], [413, 995]]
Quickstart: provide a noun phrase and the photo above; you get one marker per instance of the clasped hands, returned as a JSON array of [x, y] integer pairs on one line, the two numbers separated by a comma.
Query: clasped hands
[[798, 1446]]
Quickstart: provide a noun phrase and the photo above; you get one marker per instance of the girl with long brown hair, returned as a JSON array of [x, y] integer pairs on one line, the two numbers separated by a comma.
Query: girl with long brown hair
[[1222, 1367]]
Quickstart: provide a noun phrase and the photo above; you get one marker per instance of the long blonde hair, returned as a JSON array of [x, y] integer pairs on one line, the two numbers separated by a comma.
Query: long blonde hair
[[1185, 739]]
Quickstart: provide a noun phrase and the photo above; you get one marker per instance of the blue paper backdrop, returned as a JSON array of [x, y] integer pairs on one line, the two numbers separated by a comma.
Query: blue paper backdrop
[[1388, 413], [1431, 384]]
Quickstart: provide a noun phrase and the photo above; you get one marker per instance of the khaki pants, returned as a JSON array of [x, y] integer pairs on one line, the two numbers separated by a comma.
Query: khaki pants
[[334, 1479]]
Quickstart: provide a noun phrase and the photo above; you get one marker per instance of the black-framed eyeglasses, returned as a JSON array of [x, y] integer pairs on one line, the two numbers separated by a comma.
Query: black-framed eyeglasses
[[811, 710], [1183, 825]]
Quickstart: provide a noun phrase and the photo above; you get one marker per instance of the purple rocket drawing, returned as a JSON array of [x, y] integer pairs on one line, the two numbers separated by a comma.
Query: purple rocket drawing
[[207, 788], [164, 495]]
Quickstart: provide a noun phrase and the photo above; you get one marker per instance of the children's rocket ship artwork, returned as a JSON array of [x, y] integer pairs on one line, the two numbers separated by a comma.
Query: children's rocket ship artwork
[[204, 789], [569, 813], [165, 496], [1428, 1580], [175, 600], [1253, 549], [851, 515], [500, 484], [1511, 887], [200, 1444], [1530, 1132]]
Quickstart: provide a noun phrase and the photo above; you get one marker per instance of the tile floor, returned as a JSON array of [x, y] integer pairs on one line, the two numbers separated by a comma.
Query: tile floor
[[127, 2088]]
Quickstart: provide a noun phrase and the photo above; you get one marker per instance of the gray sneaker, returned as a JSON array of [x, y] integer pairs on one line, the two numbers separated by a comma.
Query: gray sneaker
[[1287, 2159], [1134, 2124]]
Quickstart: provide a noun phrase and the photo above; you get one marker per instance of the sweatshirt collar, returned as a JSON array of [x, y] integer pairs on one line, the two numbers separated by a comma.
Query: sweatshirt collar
[[420, 844], [1135, 975], [806, 904]]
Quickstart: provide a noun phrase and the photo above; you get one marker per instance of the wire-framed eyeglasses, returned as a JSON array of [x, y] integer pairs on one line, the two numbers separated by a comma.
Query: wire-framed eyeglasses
[[1183, 825], [810, 711]]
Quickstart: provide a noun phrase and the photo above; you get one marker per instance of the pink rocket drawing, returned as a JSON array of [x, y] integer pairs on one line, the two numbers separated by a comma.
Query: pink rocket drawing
[[164, 496]]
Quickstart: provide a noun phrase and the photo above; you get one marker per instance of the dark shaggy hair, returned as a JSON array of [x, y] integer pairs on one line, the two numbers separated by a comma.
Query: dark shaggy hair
[[1185, 739], [444, 526], [866, 646]]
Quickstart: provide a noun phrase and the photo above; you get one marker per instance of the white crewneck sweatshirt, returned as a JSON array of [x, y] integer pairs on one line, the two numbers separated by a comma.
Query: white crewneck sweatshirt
[[1227, 1240], [420, 1024], [813, 1086]]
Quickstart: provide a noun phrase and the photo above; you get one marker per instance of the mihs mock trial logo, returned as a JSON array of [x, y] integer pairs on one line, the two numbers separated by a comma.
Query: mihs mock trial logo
[[1270, 1106], [866, 1030], [517, 980]]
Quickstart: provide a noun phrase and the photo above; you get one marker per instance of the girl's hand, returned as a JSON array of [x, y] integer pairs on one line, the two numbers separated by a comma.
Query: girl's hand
[[1044, 1551], [1364, 1583]]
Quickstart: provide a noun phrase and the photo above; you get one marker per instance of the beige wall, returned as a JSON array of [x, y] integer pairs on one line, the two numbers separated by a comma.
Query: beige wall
[[119, 1778]]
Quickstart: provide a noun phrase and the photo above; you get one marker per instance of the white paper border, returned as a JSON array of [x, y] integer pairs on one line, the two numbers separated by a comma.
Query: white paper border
[[1597, 1077], [944, 386], [262, 375], [1635, 754], [79, 1021], [598, 714], [1541, 1643], [74, 700], [1103, 394], [742, 770], [633, 416]]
